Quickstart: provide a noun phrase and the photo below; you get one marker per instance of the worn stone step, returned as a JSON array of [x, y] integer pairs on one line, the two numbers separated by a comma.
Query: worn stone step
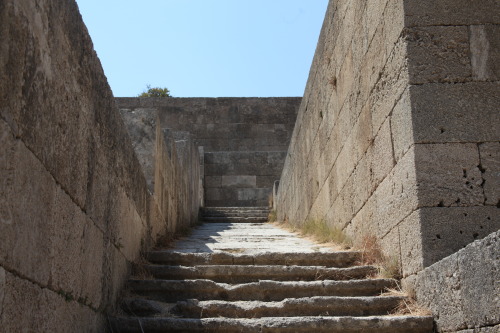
[[327, 259], [372, 324], [234, 219], [246, 273], [225, 209], [175, 290], [236, 213], [289, 307]]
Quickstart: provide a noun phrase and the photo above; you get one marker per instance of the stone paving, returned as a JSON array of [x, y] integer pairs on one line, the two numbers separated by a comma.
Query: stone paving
[[245, 238]]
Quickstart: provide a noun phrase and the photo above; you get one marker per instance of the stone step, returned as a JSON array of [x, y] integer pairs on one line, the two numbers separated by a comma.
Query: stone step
[[225, 209], [266, 290], [289, 307], [236, 213], [234, 219], [372, 324], [233, 215], [247, 273], [327, 259]]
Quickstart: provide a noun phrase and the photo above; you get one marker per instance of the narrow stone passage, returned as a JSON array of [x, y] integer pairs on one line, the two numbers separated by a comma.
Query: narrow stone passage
[[234, 276]]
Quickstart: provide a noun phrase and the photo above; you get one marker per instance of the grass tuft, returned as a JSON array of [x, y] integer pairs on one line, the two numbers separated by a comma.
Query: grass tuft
[[372, 255], [273, 216], [323, 233]]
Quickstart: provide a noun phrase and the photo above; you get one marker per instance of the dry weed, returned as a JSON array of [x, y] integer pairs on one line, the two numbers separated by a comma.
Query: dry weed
[[372, 254], [408, 305]]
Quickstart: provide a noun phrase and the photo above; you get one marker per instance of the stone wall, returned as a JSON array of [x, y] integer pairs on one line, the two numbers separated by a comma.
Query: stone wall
[[75, 209], [398, 132], [244, 139]]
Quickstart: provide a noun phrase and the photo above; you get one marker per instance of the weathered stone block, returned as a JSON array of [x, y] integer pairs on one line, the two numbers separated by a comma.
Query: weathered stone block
[[381, 154], [48, 311], [485, 52], [450, 12], [439, 54], [397, 195], [391, 82], [402, 126], [239, 181], [26, 197], [439, 287], [410, 242], [76, 251], [448, 175], [213, 181], [131, 230], [141, 127], [362, 224], [479, 270], [445, 230], [456, 112], [259, 194], [462, 289], [489, 154]]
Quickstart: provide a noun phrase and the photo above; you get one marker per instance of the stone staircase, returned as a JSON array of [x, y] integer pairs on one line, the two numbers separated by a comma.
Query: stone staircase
[[234, 214], [255, 277]]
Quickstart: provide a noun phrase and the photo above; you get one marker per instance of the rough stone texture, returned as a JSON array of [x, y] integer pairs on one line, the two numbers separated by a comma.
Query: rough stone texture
[[75, 209], [225, 124], [397, 134], [463, 289], [30, 308], [399, 113], [241, 179], [244, 139], [489, 154], [141, 127]]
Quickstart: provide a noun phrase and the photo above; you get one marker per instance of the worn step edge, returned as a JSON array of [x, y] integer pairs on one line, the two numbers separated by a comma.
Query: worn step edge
[[245, 273], [289, 307], [372, 324], [235, 208], [327, 259], [265, 290], [238, 219]]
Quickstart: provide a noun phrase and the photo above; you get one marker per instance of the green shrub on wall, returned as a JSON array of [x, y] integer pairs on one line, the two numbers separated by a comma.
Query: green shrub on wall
[[155, 92]]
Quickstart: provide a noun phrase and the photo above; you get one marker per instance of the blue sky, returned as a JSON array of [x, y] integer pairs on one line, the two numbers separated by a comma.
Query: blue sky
[[205, 48]]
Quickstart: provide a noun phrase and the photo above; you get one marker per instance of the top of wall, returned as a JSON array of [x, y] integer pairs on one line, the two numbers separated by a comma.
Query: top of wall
[[225, 124]]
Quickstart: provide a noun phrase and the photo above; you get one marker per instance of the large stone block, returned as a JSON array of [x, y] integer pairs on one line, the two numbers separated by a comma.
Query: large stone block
[[397, 195], [402, 126], [479, 269], [381, 154], [456, 112], [30, 308], [410, 242], [76, 251], [439, 288], [439, 54], [141, 127], [391, 82], [239, 181], [485, 52], [27, 194], [489, 154], [450, 12], [462, 289], [445, 230], [448, 175]]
